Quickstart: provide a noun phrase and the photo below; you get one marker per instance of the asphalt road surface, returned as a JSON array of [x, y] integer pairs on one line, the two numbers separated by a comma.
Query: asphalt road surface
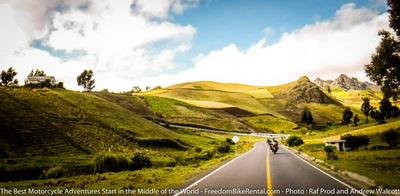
[[260, 172]]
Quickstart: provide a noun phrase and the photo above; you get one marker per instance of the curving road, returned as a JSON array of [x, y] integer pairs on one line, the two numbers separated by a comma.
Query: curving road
[[260, 172]]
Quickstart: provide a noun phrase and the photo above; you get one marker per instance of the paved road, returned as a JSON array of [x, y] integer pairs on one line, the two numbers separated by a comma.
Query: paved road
[[260, 172]]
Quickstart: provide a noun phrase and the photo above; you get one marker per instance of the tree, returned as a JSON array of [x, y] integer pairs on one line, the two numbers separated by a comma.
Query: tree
[[366, 107], [347, 115], [85, 80], [384, 68], [390, 137], [136, 89], [356, 119], [394, 17], [355, 141], [148, 88], [377, 115], [7, 77], [306, 116], [36, 73], [386, 107]]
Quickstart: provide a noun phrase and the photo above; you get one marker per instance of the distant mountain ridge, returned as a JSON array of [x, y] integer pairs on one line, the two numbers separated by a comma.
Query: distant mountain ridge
[[305, 91], [347, 83]]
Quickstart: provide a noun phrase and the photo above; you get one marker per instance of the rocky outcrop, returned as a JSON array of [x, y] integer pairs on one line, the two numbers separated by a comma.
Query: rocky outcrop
[[346, 83], [322, 83], [305, 91]]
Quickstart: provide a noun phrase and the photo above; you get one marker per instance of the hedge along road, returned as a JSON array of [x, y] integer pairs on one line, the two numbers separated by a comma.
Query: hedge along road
[[260, 172]]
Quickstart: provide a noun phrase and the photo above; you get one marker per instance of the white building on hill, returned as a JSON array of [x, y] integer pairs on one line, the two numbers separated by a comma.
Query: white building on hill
[[40, 79]]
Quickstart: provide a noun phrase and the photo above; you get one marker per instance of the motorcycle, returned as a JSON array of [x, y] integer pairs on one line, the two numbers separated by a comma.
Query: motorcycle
[[274, 148]]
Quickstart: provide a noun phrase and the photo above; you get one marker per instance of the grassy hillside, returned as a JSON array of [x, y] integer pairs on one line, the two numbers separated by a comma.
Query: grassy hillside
[[354, 97], [43, 128], [176, 111], [376, 160], [284, 102]]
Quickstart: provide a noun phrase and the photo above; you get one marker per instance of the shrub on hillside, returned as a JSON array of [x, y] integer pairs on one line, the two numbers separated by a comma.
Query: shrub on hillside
[[208, 154], [111, 163], [224, 147], [229, 140], [294, 141], [54, 172], [330, 152], [390, 137], [378, 116], [198, 149], [140, 161], [355, 141]]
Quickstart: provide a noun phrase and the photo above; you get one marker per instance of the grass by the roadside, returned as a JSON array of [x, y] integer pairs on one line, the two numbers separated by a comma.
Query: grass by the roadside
[[382, 166], [156, 177]]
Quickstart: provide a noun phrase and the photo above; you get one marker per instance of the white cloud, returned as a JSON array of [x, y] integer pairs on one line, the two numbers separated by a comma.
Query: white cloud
[[116, 41], [325, 49], [124, 41], [162, 8], [268, 31]]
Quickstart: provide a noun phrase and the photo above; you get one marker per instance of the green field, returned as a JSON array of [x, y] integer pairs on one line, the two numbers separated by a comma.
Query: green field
[[381, 165]]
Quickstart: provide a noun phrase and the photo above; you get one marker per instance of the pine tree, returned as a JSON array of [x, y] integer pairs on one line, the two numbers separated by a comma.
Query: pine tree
[[306, 116], [347, 115], [366, 107]]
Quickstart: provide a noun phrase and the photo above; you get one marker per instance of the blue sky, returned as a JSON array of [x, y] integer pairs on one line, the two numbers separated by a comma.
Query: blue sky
[[222, 22], [163, 42]]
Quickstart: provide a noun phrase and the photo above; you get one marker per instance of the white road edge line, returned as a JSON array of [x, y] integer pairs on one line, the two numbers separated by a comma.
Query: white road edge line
[[216, 170], [315, 167]]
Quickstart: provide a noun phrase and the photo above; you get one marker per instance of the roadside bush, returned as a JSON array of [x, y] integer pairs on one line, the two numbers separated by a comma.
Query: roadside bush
[[140, 161], [330, 152], [208, 155], [294, 141], [224, 147], [54, 172], [180, 161], [355, 141], [230, 141], [198, 149], [390, 137], [111, 163]]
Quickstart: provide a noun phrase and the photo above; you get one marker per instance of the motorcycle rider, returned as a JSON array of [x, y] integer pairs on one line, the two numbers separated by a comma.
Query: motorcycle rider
[[273, 145]]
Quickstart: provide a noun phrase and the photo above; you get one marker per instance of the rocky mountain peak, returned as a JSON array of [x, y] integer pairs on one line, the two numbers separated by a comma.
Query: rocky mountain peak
[[345, 82], [305, 91], [303, 79]]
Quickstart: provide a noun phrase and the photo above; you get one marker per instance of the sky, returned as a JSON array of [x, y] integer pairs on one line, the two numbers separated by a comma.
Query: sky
[[163, 42]]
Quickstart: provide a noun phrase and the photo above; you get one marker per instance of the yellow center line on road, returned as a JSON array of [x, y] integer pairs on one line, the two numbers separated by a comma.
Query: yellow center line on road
[[269, 179]]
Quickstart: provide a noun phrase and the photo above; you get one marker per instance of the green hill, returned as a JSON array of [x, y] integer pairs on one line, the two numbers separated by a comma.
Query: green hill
[[43, 128], [279, 103]]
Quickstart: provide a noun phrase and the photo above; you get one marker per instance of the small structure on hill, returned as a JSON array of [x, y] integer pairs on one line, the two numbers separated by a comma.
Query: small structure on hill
[[339, 144], [40, 79]]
